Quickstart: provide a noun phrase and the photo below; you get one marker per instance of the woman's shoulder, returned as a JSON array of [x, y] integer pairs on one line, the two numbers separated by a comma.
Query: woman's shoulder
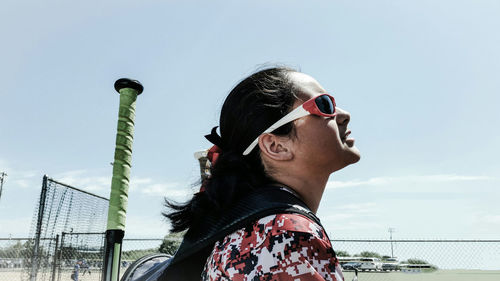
[[281, 245], [274, 226], [280, 223]]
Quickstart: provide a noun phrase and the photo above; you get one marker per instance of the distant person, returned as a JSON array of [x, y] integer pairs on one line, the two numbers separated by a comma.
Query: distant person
[[85, 267], [76, 271], [281, 135]]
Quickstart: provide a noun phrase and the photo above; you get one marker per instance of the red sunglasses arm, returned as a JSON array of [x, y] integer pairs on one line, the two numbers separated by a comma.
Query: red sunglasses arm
[[311, 107]]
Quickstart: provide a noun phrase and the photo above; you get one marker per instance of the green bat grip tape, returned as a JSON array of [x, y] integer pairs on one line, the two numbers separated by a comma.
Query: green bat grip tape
[[123, 157]]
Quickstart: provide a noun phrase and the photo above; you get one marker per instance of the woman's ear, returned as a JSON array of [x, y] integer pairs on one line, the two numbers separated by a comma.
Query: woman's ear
[[276, 147]]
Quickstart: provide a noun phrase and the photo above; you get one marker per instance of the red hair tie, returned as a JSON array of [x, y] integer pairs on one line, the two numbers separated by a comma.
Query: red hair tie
[[212, 155]]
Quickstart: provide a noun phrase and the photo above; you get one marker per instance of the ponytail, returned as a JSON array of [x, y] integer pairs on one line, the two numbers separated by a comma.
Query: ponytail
[[253, 105]]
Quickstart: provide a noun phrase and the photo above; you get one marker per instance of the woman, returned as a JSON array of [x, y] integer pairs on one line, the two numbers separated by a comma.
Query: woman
[[279, 130]]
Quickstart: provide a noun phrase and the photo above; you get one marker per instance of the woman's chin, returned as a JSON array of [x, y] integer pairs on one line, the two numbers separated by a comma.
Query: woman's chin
[[354, 154]]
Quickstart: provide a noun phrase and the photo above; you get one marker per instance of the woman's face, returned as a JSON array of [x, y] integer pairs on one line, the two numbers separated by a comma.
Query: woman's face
[[322, 143]]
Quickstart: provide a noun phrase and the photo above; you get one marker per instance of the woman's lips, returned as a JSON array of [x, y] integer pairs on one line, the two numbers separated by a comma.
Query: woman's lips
[[348, 141], [344, 137]]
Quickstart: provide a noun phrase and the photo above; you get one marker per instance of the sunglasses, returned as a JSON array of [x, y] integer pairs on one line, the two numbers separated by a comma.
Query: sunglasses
[[322, 105]]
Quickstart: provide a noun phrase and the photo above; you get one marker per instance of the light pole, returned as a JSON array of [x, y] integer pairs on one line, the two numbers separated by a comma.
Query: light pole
[[2, 176], [391, 230]]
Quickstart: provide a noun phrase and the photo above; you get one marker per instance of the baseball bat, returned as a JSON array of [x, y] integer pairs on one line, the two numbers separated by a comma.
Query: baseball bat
[[128, 90]]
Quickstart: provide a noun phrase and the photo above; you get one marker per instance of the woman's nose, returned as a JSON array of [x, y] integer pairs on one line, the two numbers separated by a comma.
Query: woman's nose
[[342, 117]]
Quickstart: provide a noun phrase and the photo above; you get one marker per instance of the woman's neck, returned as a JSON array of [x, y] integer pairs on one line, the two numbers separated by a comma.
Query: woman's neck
[[309, 189]]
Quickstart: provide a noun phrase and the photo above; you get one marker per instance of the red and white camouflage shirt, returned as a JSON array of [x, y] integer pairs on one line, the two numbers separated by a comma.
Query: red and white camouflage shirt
[[278, 247]]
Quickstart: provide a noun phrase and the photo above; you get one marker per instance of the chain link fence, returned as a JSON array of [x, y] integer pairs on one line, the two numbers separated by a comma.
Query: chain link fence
[[439, 260], [17, 256], [444, 254], [81, 254], [87, 250], [420, 259], [14, 257], [62, 209], [82, 249]]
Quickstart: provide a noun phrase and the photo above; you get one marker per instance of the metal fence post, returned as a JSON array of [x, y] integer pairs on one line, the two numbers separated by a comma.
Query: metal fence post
[[55, 259], [61, 248], [36, 248]]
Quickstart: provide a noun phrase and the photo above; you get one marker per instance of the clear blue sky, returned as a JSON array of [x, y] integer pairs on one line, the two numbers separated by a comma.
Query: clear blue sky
[[420, 78]]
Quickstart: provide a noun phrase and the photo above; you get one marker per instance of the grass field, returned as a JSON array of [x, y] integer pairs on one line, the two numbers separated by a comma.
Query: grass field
[[440, 275]]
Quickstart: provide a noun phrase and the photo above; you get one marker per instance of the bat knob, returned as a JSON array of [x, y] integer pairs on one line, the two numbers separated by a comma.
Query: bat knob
[[128, 83]]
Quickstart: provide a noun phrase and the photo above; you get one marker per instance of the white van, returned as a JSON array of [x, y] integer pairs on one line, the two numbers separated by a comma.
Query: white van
[[370, 264]]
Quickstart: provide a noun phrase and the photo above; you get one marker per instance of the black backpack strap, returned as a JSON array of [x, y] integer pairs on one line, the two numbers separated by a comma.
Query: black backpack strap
[[188, 262]]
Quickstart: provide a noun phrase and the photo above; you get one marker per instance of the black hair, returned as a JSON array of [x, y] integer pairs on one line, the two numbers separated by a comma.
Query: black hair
[[250, 108]]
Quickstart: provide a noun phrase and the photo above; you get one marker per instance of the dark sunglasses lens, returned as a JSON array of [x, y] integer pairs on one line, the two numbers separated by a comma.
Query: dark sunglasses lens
[[325, 104]]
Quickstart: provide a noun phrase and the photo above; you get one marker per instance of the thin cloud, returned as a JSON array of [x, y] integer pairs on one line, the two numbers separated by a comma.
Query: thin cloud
[[344, 214], [166, 189], [358, 225], [19, 178], [493, 219], [155, 226], [487, 219], [358, 208], [4, 165], [15, 226], [378, 181], [147, 186], [358, 218], [82, 179], [23, 183], [140, 181]]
